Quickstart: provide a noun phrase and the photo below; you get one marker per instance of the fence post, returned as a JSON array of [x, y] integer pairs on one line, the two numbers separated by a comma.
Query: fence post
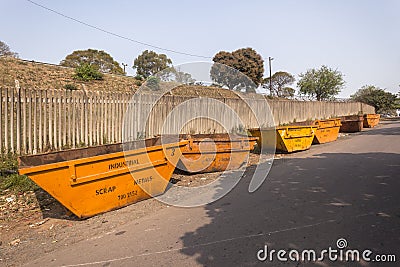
[[18, 124], [12, 120], [6, 121]]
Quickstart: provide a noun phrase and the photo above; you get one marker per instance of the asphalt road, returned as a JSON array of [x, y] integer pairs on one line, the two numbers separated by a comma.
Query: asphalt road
[[348, 189]]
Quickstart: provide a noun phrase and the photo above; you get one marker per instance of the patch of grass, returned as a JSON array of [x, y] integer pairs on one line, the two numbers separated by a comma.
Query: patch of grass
[[17, 183], [9, 177]]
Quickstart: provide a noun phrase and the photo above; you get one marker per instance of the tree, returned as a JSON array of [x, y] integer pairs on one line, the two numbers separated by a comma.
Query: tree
[[382, 101], [149, 63], [182, 77], [102, 60], [246, 61], [153, 83], [280, 82], [321, 84], [87, 72], [6, 51]]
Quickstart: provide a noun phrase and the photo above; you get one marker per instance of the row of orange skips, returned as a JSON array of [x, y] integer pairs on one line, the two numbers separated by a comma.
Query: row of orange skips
[[89, 181]]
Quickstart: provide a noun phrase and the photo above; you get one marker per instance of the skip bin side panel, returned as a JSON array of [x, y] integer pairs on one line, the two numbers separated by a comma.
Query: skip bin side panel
[[102, 184]]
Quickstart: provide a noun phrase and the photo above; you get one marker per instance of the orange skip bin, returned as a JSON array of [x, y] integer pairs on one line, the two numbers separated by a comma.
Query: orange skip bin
[[371, 120], [351, 124], [327, 131], [89, 181], [285, 138], [214, 152]]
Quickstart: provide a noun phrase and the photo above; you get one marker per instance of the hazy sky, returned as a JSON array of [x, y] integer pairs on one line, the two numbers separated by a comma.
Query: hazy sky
[[359, 38]]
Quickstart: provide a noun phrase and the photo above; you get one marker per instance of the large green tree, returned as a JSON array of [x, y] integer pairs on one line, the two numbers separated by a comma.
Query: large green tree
[[6, 51], [279, 84], [321, 84], [98, 58], [381, 100], [244, 60], [149, 63]]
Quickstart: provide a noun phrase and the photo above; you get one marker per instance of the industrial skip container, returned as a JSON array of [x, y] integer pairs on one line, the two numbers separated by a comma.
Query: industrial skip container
[[351, 124], [285, 138], [327, 131], [94, 180], [371, 120], [214, 152]]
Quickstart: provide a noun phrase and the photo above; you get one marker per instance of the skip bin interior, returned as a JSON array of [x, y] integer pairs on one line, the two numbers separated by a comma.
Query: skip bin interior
[[93, 180]]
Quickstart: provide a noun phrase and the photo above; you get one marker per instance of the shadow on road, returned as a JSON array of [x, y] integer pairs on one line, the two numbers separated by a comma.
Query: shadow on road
[[305, 203]]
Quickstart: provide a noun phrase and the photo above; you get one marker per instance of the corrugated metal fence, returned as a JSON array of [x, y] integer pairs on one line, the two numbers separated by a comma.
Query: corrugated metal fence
[[34, 121]]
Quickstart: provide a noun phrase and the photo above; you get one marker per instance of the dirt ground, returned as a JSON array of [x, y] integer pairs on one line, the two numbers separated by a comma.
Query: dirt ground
[[34, 223]]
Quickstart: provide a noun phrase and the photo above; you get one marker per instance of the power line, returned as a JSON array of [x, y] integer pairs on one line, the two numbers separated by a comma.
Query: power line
[[115, 34]]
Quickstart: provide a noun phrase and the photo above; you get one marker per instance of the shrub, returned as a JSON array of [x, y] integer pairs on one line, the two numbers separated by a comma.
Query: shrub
[[87, 72], [70, 86], [9, 179]]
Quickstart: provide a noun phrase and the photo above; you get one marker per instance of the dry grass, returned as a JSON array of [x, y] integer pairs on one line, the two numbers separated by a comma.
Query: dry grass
[[31, 74]]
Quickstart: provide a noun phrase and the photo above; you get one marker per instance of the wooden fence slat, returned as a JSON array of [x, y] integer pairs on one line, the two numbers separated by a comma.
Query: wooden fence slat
[[90, 118], [12, 120], [6, 113], [18, 123], [64, 118], [35, 124], [69, 123], [40, 137], [30, 122], [1, 120], [24, 124], [74, 122], [60, 119]]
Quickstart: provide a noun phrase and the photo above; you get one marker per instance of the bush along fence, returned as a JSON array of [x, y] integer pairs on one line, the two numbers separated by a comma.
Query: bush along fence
[[37, 120]]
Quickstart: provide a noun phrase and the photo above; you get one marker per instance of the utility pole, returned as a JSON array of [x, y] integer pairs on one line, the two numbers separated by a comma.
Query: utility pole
[[270, 75], [124, 64]]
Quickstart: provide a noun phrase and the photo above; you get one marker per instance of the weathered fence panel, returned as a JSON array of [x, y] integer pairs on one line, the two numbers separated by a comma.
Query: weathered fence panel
[[35, 121]]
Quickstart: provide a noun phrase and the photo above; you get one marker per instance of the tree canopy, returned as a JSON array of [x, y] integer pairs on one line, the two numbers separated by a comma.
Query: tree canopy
[[244, 60], [6, 51], [321, 84], [102, 60], [381, 100], [280, 82], [149, 63]]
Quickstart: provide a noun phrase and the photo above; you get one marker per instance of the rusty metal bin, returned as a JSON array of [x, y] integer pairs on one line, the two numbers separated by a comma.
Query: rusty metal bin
[[351, 124], [89, 181], [327, 131], [285, 138], [214, 152], [371, 120]]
